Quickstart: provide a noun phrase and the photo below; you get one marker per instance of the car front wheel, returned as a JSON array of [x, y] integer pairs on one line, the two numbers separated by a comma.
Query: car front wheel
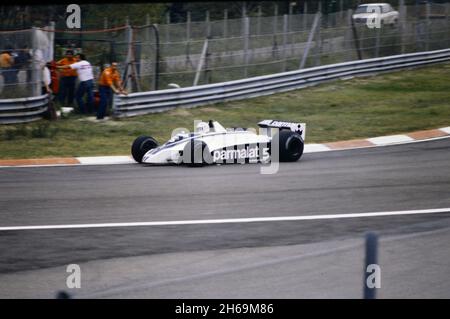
[[142, 145]]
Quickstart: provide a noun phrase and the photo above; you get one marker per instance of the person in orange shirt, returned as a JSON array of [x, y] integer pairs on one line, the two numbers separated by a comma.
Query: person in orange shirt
[[109, 82], [68, 79], [7, 71]]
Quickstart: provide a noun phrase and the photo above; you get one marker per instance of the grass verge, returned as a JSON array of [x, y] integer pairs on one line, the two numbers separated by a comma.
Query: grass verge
[[392, 103]]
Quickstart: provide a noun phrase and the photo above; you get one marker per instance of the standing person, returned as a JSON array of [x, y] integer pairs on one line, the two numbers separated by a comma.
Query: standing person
[[109, 82], [86, 85], [6, 69], [23, 62], [68, 79], [46, 79]]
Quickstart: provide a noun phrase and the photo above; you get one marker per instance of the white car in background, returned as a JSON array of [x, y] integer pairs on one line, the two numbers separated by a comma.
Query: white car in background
[[374, 12]]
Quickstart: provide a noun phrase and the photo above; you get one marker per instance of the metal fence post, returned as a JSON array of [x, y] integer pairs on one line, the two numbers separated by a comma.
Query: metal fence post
[[167, 27], [377, 42], [427, 43], [157, 58], [52, 40], [305, 15], [105, 22], [355, 37], [447, 9], [225, 23], [188, 38], [258, 21], [200, 63], [285, 32], [147, 29], [319, 39], [129, 59], [208, 25], [35, 72], [275, 30], [403, 30], [310, 38], [246, 36], [370, 259]]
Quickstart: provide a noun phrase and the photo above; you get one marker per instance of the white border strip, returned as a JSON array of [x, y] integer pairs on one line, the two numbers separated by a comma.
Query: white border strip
[[229, 220], [383, 140], [105, 160]]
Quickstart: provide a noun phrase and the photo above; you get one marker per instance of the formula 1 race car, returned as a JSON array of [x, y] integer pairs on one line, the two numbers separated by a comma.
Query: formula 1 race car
[[211, 143]]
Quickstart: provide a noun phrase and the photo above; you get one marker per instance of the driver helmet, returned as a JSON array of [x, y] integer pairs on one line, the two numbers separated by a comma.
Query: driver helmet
[[202, 127]]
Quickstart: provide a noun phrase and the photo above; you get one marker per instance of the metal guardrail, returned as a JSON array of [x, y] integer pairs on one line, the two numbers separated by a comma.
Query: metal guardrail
[[23, 110], [158, 101]]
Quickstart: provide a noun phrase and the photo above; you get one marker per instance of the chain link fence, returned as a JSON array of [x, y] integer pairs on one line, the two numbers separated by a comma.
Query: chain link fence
[[193, 53]]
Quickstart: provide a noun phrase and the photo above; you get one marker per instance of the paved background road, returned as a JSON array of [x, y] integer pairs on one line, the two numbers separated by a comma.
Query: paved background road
[[320, 258]]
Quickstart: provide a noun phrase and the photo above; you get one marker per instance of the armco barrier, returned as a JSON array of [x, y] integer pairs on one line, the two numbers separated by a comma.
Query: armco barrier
[[157, 101], [23, 110]]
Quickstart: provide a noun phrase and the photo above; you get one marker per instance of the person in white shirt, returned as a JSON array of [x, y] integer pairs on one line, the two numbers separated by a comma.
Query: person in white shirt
[[46, 79], [86, 85]]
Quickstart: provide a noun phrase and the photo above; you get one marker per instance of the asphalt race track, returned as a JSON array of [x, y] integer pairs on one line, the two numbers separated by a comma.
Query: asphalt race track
[[267, 259]]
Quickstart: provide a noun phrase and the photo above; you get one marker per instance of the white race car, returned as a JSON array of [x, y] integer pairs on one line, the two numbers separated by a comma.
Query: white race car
[[211, 143]]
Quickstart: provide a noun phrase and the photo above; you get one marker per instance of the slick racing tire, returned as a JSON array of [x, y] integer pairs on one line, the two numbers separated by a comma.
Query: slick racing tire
[[196, 153], [290, 146], [142, 145]]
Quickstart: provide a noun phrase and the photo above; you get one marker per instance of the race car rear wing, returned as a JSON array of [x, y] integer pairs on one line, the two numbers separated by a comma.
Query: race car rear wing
[[299, 128]]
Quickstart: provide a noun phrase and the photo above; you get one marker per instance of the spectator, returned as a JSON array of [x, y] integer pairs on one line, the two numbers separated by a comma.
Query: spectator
[[23, 60], [46, 79], [68, 79], [86, 85], [109, 82], [54, 77], [7, 71]]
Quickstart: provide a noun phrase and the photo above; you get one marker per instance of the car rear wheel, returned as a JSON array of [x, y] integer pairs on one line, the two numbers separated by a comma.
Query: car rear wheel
[[291, 146], [142, 145], [196, 153]]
